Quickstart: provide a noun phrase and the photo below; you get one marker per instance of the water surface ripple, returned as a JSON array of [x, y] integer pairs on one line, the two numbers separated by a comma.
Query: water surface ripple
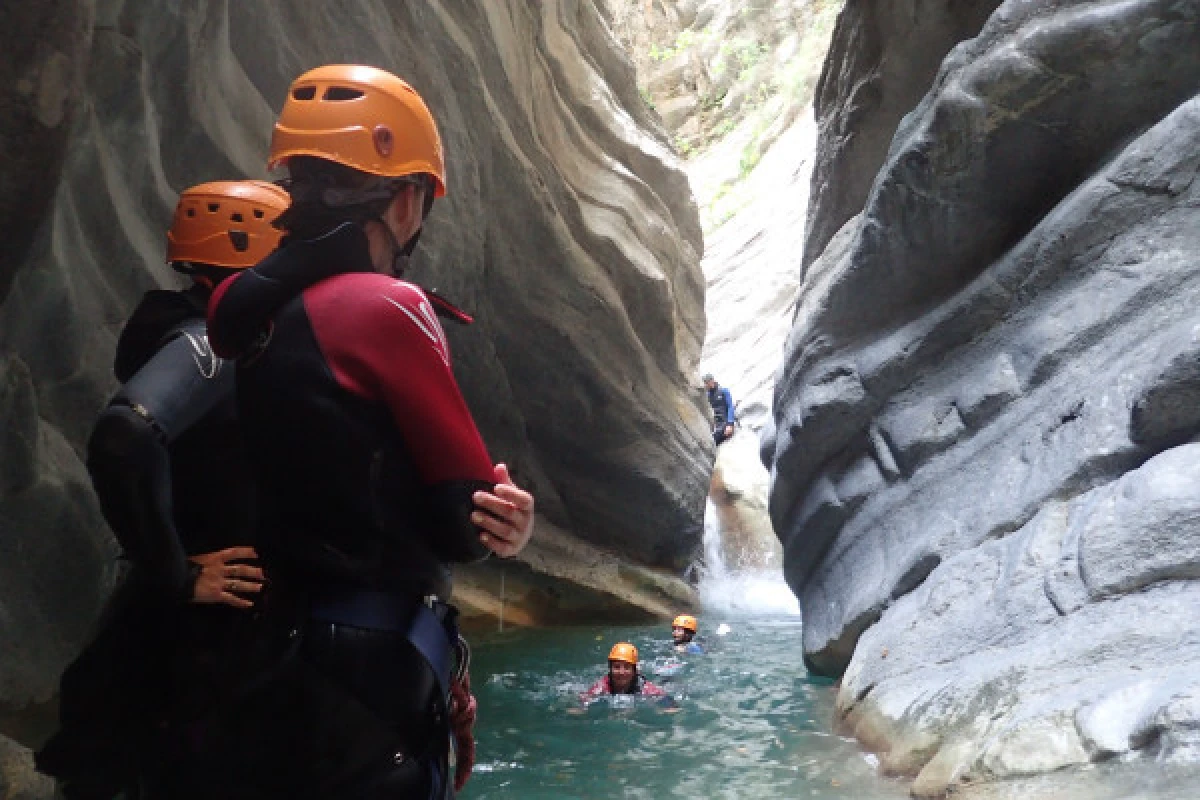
[[750, 722]]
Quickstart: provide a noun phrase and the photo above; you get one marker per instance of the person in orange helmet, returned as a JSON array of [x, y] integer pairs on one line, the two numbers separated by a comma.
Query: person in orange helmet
[[683, 634], [374, 476], [174, 484], [623, 677]]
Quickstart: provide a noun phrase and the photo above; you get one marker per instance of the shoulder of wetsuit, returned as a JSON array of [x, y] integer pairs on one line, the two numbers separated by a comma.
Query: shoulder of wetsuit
[[179, 384], [245, 308], [159, 312]]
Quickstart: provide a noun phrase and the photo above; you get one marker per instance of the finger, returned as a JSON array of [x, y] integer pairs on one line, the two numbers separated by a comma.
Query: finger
[[237, 553], [499, 527], [246, 572], [243, 587], [500, 472], [490, 502], [501, 547], [515, 495], [235, 601]]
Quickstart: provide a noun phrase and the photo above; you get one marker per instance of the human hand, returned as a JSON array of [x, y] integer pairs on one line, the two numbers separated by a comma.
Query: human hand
[[505, 515], [728, 431], [222, 582]]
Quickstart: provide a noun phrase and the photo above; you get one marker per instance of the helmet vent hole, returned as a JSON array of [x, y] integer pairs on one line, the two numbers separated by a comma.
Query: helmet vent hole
[[339, 93], [191, 212], [384, 141], [304, 92], [213, 207], [239, 240], [258, 213], [236, 217]]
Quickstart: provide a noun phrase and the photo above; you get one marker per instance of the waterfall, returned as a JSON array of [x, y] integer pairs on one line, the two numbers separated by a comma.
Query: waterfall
[[733, 589]]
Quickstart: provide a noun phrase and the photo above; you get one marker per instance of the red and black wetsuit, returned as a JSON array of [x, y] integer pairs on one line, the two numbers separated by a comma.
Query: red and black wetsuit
[[367, 459], [639, 686]]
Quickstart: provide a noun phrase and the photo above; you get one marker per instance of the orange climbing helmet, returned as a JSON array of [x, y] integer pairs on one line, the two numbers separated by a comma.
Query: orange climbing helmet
[[226, 224], [361, 117], [624, 651], [685, 621]]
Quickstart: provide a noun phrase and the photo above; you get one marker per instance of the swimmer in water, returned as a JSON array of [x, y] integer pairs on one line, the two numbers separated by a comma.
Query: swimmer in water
[[683, 632], [623, 677]]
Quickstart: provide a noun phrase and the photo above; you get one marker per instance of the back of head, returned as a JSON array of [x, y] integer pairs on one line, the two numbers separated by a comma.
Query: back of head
[[225, 225]]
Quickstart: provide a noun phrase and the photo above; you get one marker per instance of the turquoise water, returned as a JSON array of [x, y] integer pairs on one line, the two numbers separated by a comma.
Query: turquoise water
[[750, 722]]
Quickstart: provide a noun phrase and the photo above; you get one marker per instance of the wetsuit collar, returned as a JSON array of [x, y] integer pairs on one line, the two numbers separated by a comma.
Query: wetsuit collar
[[344, 249]]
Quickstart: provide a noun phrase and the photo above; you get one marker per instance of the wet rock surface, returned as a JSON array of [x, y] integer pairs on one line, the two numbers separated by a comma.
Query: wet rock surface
[[980, 462]]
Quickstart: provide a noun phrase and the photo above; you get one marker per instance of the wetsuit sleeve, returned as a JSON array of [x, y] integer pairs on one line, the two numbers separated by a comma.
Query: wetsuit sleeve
[[650, 690], [129, 461], [597, 689], [382, 340], [241, 308], [728, 406]]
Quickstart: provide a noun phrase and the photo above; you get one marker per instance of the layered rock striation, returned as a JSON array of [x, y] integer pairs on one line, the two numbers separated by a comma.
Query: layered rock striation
[[569, 232], [980, 463]]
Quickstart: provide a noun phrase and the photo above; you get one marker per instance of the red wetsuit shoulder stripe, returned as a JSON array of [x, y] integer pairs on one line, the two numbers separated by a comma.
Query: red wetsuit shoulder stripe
[[215, 340], [383, 342]]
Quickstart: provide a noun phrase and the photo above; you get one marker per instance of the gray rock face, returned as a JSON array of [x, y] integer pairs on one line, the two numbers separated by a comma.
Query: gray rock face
[[18, 779], [569, 231], [707, 66], [1004, 334], [45, 49], [884, 55], [1072, 640]]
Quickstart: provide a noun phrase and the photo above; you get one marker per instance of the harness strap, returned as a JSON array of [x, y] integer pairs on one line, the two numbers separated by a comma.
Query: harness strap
[[429, 624], [432, 640]]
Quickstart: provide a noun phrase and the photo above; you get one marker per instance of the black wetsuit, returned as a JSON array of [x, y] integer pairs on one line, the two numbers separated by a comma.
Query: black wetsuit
[[723, 412], [367, 459], [169, 469]]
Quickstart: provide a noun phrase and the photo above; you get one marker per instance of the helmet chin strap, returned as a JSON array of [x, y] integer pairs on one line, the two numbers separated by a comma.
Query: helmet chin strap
[[401, 255]]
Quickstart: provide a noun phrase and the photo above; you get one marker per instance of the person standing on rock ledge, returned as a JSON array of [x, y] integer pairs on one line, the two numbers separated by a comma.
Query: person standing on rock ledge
[[723, 409], [374, 477], [169, 469]]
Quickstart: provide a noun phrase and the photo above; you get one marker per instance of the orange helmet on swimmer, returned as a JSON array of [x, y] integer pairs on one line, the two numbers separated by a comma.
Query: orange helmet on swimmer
[[624, 651]]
